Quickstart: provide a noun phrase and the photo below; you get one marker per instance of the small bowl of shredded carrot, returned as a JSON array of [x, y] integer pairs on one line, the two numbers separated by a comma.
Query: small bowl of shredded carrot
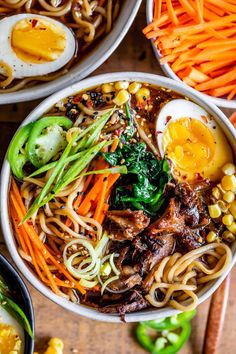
[[195, 42]]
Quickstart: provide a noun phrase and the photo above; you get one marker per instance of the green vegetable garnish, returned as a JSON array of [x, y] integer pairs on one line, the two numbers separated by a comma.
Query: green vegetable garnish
[[46, 139], [165, 336], [13, 309], [17, 156], [143, 186]]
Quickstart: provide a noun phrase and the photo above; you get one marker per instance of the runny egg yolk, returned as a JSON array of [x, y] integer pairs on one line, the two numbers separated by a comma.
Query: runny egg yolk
[[195, 150], [37, 40]]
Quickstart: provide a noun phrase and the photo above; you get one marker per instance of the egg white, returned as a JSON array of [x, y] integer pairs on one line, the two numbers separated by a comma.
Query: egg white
[[7, 319], [22, 69]]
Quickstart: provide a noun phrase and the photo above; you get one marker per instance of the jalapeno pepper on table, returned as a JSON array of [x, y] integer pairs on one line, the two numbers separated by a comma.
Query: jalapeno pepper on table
[[165, 336]]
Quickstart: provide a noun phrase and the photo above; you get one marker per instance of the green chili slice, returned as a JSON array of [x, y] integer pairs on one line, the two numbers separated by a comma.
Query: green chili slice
[[17, 155]]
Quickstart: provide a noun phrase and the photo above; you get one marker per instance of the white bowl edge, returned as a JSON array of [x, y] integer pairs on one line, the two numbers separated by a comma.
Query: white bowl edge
[[221, 102], [87, 65], [149, 314]]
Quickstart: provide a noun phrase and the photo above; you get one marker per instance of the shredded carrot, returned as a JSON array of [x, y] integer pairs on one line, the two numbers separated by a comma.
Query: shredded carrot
[[101, 199], [80, 196], [197, 39], [37, 250], [217, 82], [221, 91], [103, 213], [231, 94], [90, 197], [233, 119]]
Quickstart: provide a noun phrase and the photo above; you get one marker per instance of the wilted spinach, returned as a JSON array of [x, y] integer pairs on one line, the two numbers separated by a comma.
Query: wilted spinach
[[143, 186]]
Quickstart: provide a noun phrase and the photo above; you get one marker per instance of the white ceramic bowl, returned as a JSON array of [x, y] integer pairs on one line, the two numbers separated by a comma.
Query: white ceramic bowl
[[221, 102], [153, 313], [91, 61]]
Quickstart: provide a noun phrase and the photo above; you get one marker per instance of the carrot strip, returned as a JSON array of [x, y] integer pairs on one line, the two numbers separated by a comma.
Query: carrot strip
[[219, 72], [101, 199], [189, 81], [171, 12], [214, 8], [199, 11], [195, 75], [232, 94], [37, 242], [114, 144], [217, 82], [17, 228], [91, 196], [233, 119], [208, 67], [224, 5], [221, 91], [80, 196], [157, 9], [188, 7]]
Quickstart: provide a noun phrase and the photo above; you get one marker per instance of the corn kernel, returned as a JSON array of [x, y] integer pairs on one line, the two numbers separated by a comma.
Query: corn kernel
[[228, 236], [232, 209], [142, 94], [229, 197], [134, 87], [119, 85], [211, 237], [121, 98], [216, 193], [221, 188], [214, 211], [229, 182], [232, 228], [229, 169], [55, 346], [107, 88], [223, 206], [227, 219]]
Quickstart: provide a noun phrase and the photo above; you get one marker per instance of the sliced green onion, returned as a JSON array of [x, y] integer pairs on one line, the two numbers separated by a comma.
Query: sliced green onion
[[114, 268], [107, 282], [88, 284], [101, 244], [112, 170]]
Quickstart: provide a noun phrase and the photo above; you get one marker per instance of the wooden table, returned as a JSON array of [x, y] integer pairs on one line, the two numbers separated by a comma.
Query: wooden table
[[81, 335]]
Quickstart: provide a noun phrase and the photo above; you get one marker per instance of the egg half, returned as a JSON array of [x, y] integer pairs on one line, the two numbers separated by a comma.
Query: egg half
[[33, 45], [192, 140], [9, 323]]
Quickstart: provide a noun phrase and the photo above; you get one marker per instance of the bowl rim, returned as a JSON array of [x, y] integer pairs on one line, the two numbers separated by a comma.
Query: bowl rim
[[92, 60], [221, 102], [27, 298], [45, 105]]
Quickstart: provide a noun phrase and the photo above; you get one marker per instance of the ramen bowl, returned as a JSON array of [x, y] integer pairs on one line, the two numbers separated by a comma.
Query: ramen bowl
[[166, 83], [21, 296], [95, 57], [221, 102]]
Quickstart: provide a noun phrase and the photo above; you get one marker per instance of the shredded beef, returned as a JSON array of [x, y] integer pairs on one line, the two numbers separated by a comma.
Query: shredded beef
[[126, 224]]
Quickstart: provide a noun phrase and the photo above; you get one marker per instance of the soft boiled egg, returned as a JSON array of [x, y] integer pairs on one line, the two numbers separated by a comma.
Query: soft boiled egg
[[11, 334], [33, 45], [191, 139]]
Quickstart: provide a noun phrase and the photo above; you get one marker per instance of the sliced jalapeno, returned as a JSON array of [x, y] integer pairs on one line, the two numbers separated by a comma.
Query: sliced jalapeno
[[171, 322], [166, 342], [17, 155], [46, 139]]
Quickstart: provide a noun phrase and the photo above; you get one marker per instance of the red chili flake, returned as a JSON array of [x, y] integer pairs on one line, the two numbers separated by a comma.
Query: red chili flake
[[158, 132], [77, 98], [168, 118], [89, 104], [198, 176], [117, 132], [34, 22]]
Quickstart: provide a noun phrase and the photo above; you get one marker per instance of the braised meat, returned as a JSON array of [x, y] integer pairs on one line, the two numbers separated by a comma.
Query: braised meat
[[133, 302], [126, 224]]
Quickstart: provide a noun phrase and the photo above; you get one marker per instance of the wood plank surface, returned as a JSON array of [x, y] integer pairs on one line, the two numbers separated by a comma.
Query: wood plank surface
[[85, 336]]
